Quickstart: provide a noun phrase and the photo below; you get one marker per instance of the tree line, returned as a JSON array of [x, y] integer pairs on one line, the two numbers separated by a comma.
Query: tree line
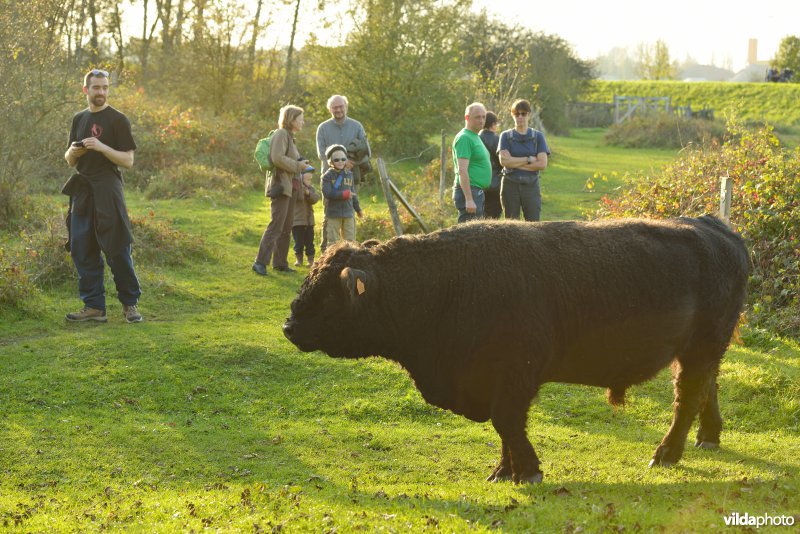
[[408, 66]]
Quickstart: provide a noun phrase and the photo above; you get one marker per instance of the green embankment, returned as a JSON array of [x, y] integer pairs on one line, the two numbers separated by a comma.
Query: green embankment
[[776, 103]]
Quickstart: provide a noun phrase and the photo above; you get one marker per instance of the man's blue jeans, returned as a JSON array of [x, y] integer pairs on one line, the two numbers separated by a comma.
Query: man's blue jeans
[[461, 203], [88, 260]]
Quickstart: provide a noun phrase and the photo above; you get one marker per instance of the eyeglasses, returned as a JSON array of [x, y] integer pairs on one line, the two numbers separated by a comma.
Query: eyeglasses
[[520, 113], [98, 72], [337, 160]]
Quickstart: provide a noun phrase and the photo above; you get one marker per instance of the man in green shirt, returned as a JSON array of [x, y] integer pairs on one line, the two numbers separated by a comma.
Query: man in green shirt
[[472, 165]]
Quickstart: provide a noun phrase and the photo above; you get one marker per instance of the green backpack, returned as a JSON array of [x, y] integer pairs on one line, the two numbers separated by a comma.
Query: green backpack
[[262, 153]]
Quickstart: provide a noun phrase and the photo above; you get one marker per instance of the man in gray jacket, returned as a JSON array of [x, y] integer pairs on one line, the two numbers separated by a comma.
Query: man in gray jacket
[[338, 130]]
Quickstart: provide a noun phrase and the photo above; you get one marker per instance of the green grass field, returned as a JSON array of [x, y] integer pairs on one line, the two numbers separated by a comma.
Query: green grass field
[[206, 417]]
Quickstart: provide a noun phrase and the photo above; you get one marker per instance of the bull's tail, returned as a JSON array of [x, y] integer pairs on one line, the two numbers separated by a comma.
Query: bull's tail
[[616, 396]]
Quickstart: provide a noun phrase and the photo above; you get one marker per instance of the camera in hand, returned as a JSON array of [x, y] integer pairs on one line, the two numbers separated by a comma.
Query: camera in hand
[[307, 169], [78, 144]]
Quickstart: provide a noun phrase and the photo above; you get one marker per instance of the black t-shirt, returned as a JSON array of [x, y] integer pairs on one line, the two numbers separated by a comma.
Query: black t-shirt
[[109, 126]]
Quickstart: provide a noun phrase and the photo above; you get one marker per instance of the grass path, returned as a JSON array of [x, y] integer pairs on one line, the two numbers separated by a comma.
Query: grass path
[[205, 416]]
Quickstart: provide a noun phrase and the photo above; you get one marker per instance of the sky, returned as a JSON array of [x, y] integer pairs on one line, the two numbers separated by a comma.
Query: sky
[[709, 31]]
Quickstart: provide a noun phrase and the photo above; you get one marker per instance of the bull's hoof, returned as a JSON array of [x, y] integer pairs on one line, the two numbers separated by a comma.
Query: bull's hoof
[[533, 479], [665, 456], [707, 445], [501, 473]]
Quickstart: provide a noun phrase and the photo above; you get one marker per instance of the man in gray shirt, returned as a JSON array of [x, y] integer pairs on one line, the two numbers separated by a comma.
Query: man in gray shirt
[[339, 130]]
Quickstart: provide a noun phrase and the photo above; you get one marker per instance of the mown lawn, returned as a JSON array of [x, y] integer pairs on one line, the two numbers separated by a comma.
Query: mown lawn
[[206, 417]]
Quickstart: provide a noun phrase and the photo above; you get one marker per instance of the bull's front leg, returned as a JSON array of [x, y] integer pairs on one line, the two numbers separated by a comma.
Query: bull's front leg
[[509, 417], [502, 471]]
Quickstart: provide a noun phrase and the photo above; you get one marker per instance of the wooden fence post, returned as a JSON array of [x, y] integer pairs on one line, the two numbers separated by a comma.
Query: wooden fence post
[[408, 206], [387, 192], [442, 170], [725, 194]]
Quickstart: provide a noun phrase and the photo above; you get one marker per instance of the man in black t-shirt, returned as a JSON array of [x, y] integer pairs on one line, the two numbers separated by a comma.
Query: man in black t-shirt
[[100, 142]]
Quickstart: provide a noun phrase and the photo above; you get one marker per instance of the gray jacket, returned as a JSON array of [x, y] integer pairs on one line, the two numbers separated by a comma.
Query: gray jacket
[[332, 133]]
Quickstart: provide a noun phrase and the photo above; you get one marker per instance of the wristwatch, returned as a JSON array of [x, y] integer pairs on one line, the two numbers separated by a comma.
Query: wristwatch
[[529, 160]]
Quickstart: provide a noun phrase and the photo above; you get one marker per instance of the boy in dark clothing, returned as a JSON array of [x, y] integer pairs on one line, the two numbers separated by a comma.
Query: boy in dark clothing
[[339, 190], [303, 225]]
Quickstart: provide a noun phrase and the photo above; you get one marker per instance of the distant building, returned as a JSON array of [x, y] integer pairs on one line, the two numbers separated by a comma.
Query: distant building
[[756, 70], [751, 73]]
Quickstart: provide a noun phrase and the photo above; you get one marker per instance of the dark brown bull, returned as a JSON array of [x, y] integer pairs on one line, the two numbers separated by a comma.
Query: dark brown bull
[[482, 314]]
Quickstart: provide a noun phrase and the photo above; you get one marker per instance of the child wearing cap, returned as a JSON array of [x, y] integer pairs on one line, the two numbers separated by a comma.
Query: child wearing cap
[[342, 202]]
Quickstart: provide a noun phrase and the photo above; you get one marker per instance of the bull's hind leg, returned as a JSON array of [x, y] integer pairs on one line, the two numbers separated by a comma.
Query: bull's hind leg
[[710, 421], [509, 417], [694, 378]]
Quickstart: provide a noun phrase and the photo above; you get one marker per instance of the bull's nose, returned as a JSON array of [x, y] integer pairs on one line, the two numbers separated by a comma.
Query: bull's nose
[[288, 327]]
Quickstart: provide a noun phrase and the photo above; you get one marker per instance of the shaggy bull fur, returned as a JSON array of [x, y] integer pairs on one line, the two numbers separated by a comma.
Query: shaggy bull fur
[[482, 314]]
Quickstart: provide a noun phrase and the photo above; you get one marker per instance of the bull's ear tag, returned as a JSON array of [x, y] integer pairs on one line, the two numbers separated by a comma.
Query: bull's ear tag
[[354, 282]]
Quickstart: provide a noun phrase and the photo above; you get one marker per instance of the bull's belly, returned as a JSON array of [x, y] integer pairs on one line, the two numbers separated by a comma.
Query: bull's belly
[[620, 356]]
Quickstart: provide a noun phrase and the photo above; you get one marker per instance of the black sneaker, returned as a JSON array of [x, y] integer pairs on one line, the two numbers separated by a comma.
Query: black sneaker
[[286, 269]]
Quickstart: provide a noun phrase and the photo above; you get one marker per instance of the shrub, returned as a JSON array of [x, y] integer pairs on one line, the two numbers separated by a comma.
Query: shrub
[[172, 135], [421, 190], [662, 130], [47, 262], [374, 227], [16, 286], [765, 210], [156, 242], [190, 180]]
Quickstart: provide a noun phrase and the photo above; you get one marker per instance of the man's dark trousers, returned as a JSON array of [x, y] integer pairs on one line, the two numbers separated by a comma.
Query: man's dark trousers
[[87, 257]]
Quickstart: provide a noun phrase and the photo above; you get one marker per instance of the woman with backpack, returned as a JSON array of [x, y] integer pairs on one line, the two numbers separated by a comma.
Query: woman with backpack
[[282, 187], [523, 153]]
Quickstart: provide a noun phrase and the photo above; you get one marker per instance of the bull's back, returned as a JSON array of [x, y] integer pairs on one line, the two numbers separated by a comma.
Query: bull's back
[[610, 303]]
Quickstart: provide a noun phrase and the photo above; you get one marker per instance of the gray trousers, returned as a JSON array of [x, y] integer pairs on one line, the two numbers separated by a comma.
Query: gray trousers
[[525, 196], [278, 235]]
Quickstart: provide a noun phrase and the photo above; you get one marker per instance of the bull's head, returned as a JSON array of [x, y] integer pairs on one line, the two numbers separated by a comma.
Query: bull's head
[[328, 313]]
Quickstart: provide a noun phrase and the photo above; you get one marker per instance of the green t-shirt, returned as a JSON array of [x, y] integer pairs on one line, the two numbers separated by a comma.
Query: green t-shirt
[[467, 145]]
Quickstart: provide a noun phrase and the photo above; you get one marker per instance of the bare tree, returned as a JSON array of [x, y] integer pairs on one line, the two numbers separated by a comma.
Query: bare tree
[[251, 51], [115, 29], [287, 80], [147, 39]]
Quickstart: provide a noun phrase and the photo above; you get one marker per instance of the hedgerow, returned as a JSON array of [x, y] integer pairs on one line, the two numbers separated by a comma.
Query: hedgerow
[[765, 210], [663, 130]]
